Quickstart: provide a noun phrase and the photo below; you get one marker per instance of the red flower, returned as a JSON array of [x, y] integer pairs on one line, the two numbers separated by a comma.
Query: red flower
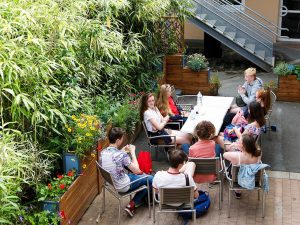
[[50, 186], [60, 176], [62, 214], [99, 147], [70, 173], [62, 186]]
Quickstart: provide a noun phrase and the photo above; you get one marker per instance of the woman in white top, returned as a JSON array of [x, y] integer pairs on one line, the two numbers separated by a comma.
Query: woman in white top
[[156, 123]]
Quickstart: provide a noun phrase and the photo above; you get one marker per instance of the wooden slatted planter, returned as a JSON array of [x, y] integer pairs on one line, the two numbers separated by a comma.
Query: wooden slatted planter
[[87, 186], [183, 78], [288, 88]]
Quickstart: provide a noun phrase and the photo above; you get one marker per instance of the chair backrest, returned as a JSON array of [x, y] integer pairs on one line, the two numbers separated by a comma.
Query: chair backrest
[[173, 94], [105, 174], [273, 100], [181, 195], [146, 132], [235, 172], [206, 165]]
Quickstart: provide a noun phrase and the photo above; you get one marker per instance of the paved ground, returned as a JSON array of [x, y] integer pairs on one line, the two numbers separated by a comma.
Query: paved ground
[[282, 208]]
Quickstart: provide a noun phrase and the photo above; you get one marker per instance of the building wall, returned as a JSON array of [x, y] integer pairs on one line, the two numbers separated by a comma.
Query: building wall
[[267, 8], [192, 32]]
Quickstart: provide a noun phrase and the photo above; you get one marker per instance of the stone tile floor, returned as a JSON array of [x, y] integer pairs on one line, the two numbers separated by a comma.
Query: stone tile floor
[[282, 207]]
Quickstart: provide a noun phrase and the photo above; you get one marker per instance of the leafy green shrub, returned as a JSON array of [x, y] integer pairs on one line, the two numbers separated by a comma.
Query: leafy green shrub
[[197, 62], [283, 69]]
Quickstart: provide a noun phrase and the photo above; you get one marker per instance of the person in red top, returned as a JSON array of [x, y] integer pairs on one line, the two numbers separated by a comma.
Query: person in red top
[[204, 148]]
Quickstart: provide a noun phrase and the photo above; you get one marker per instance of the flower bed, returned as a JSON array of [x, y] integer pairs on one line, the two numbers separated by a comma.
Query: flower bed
[[190, 82], [288, 88]]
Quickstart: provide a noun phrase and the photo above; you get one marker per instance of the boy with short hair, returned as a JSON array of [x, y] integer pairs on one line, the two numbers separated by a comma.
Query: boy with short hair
[[173, 177]]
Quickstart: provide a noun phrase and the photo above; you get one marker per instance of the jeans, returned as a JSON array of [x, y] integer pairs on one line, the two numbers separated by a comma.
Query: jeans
[[139, 196], [185, 148], [218, 150]]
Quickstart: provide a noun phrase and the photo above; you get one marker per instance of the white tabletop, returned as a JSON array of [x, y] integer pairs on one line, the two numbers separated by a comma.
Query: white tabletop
[[214, 110]]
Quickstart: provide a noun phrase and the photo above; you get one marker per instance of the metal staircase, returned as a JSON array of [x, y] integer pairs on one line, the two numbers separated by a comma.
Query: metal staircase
[[238, 27]]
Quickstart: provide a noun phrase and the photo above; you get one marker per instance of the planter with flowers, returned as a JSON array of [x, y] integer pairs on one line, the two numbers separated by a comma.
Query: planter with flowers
[[50, 195], [192, 78], [81, 139], [82, 135], [288, 82]]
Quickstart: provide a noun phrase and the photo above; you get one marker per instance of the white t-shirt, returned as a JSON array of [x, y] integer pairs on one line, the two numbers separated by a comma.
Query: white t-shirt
[[152, 114], [166, 179]]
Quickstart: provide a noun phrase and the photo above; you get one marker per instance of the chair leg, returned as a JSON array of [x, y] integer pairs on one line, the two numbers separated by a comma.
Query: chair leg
[[103, 205], [263, 204], [149, 206], [158, 218], [153, 207], [119, 216], [258, 194], [194, 217], [229, 202], [220, 195]]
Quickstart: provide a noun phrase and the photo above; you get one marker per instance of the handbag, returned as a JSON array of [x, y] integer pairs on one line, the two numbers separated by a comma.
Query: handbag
[[239, 101]]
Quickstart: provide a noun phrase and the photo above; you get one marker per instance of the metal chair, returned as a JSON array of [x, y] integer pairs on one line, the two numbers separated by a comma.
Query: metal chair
[[180, 100], [158, 144], [234, 186], [168, 197], [109, 186], [208, 166], [268, 115]]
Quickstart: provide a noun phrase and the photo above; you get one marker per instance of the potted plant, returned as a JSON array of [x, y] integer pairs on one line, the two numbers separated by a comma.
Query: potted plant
[[288, 82], [82, 133], [197, 62], [215, 84], [50, 195]]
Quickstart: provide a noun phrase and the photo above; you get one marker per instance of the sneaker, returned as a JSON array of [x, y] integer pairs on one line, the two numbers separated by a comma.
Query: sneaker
[[129, 209], [238, 195]]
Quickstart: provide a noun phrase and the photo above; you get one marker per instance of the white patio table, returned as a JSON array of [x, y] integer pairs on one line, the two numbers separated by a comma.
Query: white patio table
[[214, 109]]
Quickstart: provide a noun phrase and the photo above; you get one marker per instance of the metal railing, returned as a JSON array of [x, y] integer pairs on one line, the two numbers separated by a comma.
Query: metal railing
[[240, 22]]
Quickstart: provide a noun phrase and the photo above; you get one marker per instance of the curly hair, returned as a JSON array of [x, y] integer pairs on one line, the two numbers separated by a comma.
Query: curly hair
[[205, 130]]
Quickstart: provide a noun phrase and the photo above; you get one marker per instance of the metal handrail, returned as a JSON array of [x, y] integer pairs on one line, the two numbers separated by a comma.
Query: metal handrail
[[250, 23], [244, 21], [253, 19], [253, 36], [262, 17]]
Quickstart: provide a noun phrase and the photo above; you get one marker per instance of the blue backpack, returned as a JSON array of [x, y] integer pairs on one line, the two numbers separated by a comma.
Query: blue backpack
[[201, 204]]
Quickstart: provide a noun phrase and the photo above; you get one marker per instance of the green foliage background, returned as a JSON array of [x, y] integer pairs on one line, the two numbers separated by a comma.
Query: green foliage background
[[62, 57]]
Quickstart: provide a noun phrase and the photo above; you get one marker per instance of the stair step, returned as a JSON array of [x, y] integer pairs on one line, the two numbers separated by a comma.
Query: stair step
[[201, 16], [250, 47], [230, 35], [261, 54], [241, 41], [221, 29], [269, 60], [211, 22]]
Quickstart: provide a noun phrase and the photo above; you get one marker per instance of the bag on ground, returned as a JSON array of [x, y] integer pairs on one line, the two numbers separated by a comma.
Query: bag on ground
[[201, 205], [145, 162]]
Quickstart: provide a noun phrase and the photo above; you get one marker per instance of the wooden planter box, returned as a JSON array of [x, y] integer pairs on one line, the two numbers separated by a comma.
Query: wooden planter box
[[86, 187], [82, 192], [288, 88], [183, 78]]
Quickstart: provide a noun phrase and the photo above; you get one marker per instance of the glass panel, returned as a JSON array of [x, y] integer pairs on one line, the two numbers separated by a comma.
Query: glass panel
[[292, 4]]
